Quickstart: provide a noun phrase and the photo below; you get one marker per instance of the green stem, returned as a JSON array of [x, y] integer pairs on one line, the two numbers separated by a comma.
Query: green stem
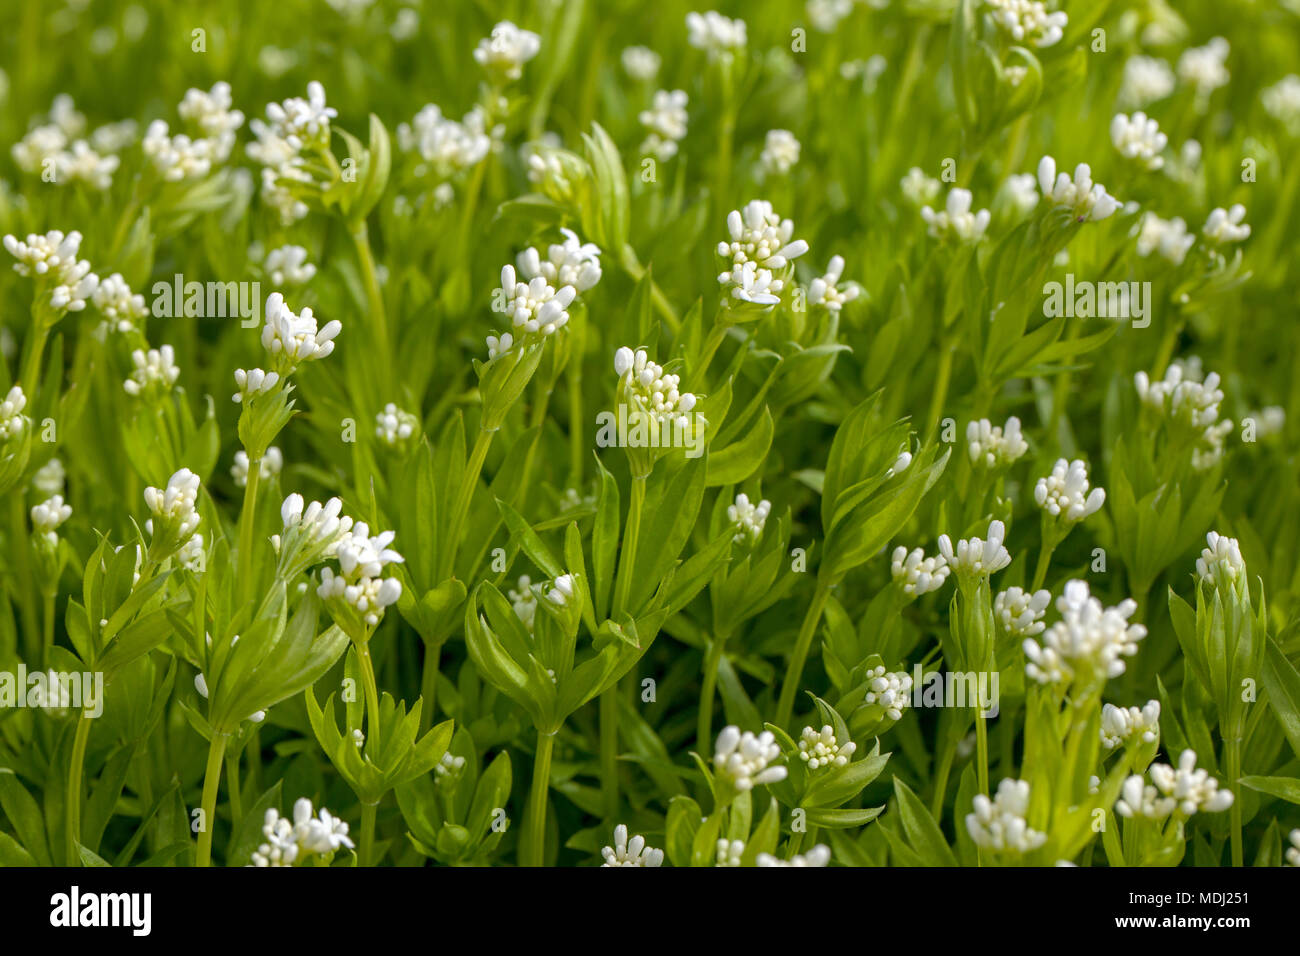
[[366, 848], [982, 752], [532, 849], [31, 373], [1232, 760], [942, 771], [232, 793], [247, 518], [372, 696], [940, 394], [631, 536], [374, 295], [463, 499], [1166, 352], [429, 684], [211, 780], [1044, 559], [716, 335], [47, 635], [704, 720], [802, 645], [72, 814]]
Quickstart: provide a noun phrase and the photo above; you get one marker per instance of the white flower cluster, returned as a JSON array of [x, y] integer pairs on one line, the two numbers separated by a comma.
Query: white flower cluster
[[821, 749], [749, 518], [1122, 725], [742, 759], [891, 690], [568, 263], [825, 15], [362, 559], [178, 157], [1021, 613], [211, 115], [1282, 102], [632, 852], [271, 465], [394, 426], [999, 824], [956, 219], [1226, 225], [665, 124], [1267, 421], [918, 188], [1222, 557], [448, 769], [825, 290], [155, 371], [1029, 20], [1168, 237], [316, 528], [780, 153], [289, 844], [760, 250], [52, 260], [1064, 493], [1146, 79], [717, 35], [640, 63], [288, 266], [12, 419], [729, 852], [175, 517], [537, 297], [448, 147], [47, 516], [1088, 201], [1089, 638], [1191, 404], [1138, 138], [56, 151], [253, 382], [976, 556], [1205, 67], [1184, 789], [1293, 851], [118, 304], [652, 389], [916, 573], [561, 590], [992, 446], [294, 126], [49, 478], [523, 601], [819, 855], [294, 339], [504, 53], [1021, 192]]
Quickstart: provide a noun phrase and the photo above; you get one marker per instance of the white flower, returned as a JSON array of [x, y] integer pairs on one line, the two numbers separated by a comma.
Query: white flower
[[447, 146], [211, 115], [1293, 851], [48, 515], [780, 152], [394, 426], [1222, 557], [191, 556], [821, 749], [742, 759], [1184, 789], [293, 339], [1168, 237], [651, 389], [665, 123], [640, 63], [499, 345], [49, 478], [447, 769], [1146, 79], [524, 601], [12, 419], [81, 163], [730, 851], [999, 824], [505, 52], [825, 15], [1282, 102], [993, 446], [271, 465], [154, 370], [1021, 191], [42, 146], [178, 157], [1089, 638], [320, 527], [956, 218], [891, 690], [748, 518], [362, 559], [1088, 201], [174, 512], [1189, 404], [1225, 225], [917, 573], [1122, 725], [535, 306], [1138, 137], [307, 121], [52, 259], [1029, 20], [561, 590], [1268, 421], [760, 250], [1204, 67], [568, 263], [288, 265], [819, 855], [632, 852], [719, 36], [825, 291], [918, 188], [976, 556], [288, 843], [253, 382], [122, 308], [1020, 612], [1064, 493], [114, 137], [749, 283]]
